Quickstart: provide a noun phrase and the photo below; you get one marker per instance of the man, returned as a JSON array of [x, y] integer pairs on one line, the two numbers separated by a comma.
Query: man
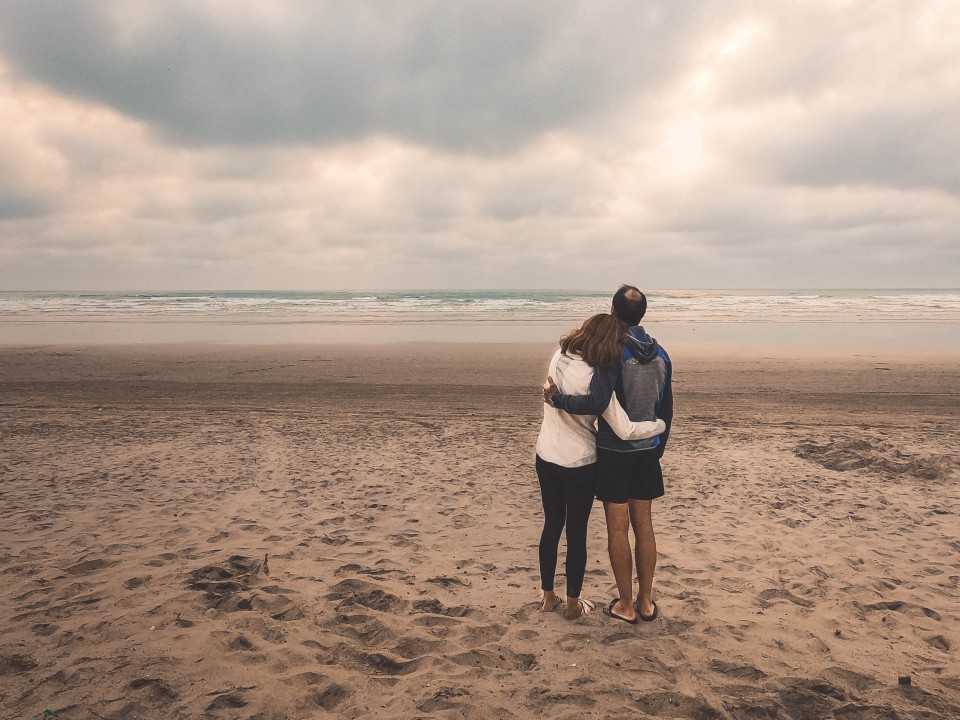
[[629, 477]]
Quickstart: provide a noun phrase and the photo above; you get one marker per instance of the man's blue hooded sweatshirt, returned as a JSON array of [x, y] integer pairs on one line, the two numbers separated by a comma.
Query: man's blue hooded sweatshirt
[[643, 385]]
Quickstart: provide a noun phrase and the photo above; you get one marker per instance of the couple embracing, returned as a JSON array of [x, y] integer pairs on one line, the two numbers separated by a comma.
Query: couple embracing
[[606, 420]]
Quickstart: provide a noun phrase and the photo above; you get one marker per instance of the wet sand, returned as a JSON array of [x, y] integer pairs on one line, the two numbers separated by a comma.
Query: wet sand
[[337, 531]]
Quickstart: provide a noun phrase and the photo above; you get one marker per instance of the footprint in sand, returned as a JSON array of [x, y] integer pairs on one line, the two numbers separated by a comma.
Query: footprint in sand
[[502, 659], [256, 626], [136, 582], [88, 566], [737, 670], [462, 521], [483, 634], [360, 592], [905, 608], [329, 697], [811, 699], [44, 629], [444, 699], [435, 607], [410, 648], [159, 687], [447, 581], [439, 626], [291, 613], [230, 586], [778, 594], [675, 705], [150, 697], [17, 663], [366, 629], [241, 642], [379, 663], [227, 701]]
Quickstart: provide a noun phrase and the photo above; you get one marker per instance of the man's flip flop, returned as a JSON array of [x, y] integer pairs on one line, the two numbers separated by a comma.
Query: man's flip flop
[[608, 611], [652, 616]]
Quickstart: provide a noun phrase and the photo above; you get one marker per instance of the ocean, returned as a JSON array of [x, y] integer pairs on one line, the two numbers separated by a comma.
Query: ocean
[[870, 318]]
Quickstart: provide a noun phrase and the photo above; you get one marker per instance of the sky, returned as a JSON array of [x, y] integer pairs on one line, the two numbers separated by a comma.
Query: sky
[[242, 144]]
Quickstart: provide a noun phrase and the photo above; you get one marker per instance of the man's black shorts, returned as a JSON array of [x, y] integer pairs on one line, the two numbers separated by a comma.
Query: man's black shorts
[[623, 476]]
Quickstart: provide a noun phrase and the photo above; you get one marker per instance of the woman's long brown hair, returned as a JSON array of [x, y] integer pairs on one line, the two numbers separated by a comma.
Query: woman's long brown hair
[[599, 341]]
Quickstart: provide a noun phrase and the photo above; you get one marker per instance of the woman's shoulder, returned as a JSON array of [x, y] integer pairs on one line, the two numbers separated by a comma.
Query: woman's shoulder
[[569, 358]]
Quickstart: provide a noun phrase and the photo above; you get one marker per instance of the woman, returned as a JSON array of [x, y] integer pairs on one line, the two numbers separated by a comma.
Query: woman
[[566, 455]]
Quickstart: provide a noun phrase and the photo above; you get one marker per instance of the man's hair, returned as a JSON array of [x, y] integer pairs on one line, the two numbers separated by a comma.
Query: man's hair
[[629, 304]]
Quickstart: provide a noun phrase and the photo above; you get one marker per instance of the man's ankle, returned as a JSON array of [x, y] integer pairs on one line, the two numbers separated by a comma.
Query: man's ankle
[[624, 609]]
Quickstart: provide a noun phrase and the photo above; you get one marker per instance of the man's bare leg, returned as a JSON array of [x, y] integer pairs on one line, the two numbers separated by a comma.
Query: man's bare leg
[[621, 561], [640, 518]]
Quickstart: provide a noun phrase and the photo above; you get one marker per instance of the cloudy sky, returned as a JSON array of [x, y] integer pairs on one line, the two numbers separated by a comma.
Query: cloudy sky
[[242, 144]]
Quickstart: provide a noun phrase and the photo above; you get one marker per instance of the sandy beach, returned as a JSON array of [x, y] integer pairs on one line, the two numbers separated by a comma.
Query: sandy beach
[[350, 532]]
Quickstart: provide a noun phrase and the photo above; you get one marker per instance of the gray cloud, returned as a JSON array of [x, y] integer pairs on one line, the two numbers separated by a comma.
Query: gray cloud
[[895, 146], [16, 205], [479, 76]]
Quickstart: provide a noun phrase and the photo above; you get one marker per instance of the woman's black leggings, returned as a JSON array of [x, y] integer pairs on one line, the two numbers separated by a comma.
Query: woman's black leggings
[[567, 499]]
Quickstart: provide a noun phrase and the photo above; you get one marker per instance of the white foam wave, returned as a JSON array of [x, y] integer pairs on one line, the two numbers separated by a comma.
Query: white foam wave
[[702, 306]]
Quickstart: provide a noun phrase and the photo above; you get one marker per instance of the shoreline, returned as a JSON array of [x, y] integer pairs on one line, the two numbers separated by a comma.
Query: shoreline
[[696, 350], [784, 338]]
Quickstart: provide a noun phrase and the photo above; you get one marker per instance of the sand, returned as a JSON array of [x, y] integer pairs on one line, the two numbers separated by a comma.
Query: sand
[[308, 532]]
